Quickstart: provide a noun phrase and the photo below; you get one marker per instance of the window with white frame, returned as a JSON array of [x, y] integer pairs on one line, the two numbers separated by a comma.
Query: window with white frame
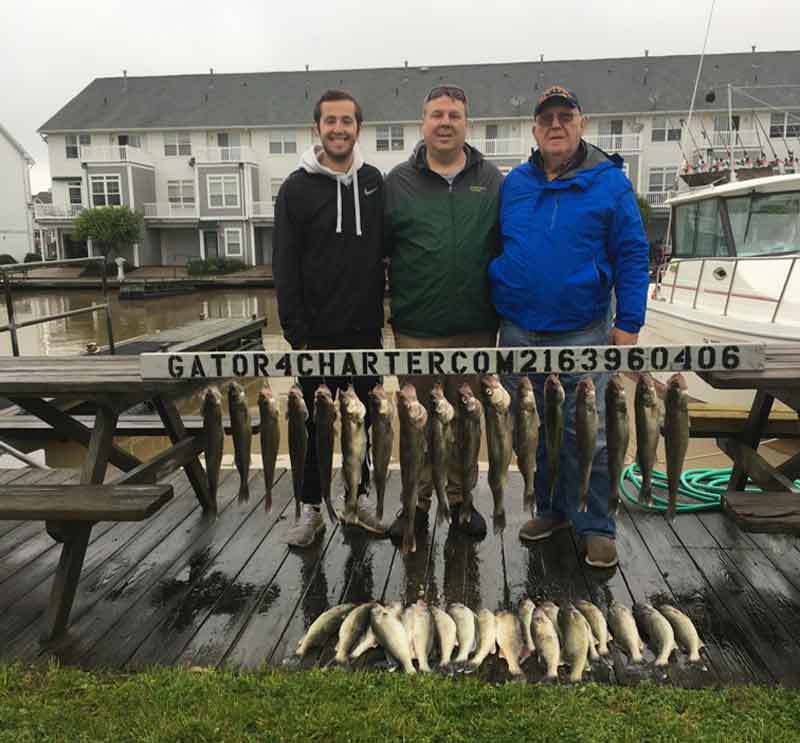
[[177, 143], [784, 124], [130, 140], [233, 241], [74, 142], [282, 142], [74, 192], [274, 187], [666, 129], [626, 168], [662, 179], [223, 191], [105, 190], [389, 138], [181, 192]]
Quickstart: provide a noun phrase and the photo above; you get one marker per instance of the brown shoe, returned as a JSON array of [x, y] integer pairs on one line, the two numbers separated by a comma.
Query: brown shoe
[[540, 528], [601, 552]]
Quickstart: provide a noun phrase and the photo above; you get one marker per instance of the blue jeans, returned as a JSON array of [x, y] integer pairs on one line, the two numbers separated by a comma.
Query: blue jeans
[[565, 500]]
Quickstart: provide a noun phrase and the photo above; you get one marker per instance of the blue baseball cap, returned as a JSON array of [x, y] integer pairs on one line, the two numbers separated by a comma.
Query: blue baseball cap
[[556, 93]]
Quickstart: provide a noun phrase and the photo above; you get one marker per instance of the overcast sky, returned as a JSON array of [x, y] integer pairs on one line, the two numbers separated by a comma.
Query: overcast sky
[[49, 51]]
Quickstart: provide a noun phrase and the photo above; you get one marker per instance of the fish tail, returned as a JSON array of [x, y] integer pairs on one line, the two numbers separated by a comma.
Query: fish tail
[[646, 492], [613, 501], [409, 538], [296, 509], [379, 503], [268, 501], [499, 520], [244, 492], [671, 508], [443, 511], [528, 500], [330, 509]]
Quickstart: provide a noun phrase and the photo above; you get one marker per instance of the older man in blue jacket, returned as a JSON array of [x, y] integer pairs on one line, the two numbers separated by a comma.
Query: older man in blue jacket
[[572, 233]]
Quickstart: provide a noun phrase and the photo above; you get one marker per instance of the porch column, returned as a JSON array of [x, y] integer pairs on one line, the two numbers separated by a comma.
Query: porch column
[[202, 245], [89, 247]]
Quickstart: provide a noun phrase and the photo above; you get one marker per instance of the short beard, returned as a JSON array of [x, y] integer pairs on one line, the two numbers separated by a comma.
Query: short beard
[[339, 157]]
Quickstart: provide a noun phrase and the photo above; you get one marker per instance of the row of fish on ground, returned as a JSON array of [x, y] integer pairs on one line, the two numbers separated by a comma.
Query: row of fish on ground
[[575, 635], [437, 432]]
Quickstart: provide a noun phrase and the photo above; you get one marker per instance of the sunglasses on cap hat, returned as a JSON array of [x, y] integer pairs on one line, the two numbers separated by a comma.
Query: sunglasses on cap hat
[[451, 91]]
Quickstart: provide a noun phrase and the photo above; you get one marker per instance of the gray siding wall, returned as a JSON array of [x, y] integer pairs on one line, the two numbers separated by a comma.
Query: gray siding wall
[[120, 170], [254, 181], [264, 245], [144, 186], [180, 246], [150, 248], [205, 211]]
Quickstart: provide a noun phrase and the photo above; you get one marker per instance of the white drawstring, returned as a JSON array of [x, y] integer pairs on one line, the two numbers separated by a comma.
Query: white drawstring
[[357, 198], [338, 205]]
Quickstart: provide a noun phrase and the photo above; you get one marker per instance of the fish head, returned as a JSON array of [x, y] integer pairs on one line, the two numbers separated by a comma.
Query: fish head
[[586, 391], [646, 390], [211, 398], [236, 394], [469, 404], [677, 391], [525, 396], [297, 403], [616, 397], [350, 404], [267, 402], [493, 393]]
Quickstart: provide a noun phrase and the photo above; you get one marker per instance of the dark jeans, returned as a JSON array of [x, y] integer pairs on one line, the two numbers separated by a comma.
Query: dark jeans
[[362, 386]]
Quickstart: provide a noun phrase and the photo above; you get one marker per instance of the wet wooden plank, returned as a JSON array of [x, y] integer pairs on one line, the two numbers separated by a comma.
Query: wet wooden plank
[[170, 572], [734, 658], [30, 477], [108, 559], [775, 648], [646, 584], [764, 512], [165, 644]]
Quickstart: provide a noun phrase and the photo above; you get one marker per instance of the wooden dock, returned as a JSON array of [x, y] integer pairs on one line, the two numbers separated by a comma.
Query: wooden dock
[[183, 589]]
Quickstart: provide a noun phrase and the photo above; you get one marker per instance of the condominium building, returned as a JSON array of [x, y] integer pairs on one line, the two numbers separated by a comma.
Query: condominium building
[[16, 207], [203, 156]]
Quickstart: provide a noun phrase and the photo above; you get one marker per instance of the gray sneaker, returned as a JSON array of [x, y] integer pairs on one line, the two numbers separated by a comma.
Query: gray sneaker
[[365, 517], [307, 529]]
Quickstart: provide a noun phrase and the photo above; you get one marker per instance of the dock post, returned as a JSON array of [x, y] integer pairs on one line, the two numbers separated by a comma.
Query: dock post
[[109, 326], [12, 324]]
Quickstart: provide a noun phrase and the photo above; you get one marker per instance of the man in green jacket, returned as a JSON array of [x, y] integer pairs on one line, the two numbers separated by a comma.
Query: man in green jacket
[[441, 215]]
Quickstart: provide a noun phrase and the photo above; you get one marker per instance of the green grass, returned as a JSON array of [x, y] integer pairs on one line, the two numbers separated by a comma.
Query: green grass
[[173, 705]]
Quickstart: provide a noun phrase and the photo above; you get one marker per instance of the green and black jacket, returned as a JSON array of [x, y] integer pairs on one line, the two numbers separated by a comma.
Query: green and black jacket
[[440, 239]]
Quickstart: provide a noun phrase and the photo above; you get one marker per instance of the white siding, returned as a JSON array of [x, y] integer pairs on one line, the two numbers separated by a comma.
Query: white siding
[[16, 228]]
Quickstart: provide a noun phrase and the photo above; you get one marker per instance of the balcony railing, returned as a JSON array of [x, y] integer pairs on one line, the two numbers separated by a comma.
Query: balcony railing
[[264, 209], [57, 211], [742, 138], [225, 154], [115, 154], [615, 142], [658, 199], [500, 147], [166, 210]]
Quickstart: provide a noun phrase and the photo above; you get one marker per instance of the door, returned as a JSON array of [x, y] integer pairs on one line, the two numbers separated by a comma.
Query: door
[[212, 244]]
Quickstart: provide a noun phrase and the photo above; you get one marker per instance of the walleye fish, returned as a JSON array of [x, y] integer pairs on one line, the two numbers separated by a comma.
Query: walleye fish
[[575, 630], [598, 624], [658, 631], [423, 635], [368, 639], [499, 434], [270, 437], [322, 628], [325, 438], [685, 632], [509, 640], [647, 424], [593, 654], [547, 643], [441, 429], [242, 436], [297, 415], [447, 634], [526, 440], [551, 609], [525, 611], [214, 439], [487, 640], [626, 634], [553, 428], [617, 438], [465, 630], [469, 446], [586, 423], [392, 636], [676, 435], [382, 417], [413, 423], [354, 449], [351, 631]]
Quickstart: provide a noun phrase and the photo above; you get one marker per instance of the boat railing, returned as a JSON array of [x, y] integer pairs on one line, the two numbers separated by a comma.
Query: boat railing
[[664, 267], [14, 325]]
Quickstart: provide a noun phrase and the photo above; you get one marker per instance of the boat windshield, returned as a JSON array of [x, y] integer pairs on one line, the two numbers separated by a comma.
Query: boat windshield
[[761, 224]]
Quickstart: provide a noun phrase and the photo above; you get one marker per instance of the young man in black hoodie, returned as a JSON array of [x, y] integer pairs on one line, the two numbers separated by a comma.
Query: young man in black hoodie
[[329, 272]]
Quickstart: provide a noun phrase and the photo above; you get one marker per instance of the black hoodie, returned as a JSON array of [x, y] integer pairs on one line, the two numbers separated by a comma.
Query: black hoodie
[[329, 282]]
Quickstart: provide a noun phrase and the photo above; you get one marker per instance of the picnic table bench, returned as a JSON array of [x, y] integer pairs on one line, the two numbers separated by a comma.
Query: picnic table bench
[[69, 513]]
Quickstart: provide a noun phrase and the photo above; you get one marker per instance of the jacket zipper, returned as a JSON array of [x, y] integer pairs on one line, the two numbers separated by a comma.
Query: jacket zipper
[[555, 213]]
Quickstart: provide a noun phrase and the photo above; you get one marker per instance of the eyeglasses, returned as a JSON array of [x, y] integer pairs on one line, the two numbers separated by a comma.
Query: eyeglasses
[[547, 119], [451, 91]]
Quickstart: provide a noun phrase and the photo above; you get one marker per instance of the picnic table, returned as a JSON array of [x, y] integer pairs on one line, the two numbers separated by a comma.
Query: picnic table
[[777, 507], [112, 384]]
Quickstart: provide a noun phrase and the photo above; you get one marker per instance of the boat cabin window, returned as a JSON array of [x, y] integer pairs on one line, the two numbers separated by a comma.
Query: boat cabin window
[[698, 231], [765, 224]]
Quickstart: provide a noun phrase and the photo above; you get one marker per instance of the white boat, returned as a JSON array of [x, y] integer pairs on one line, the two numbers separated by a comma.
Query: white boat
[[732, 273]]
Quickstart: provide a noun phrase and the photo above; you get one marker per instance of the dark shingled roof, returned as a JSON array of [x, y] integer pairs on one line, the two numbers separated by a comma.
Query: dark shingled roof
[[632, 85]]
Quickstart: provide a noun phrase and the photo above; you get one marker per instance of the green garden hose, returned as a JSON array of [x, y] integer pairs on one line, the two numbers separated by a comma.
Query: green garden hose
[[704, 486]]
